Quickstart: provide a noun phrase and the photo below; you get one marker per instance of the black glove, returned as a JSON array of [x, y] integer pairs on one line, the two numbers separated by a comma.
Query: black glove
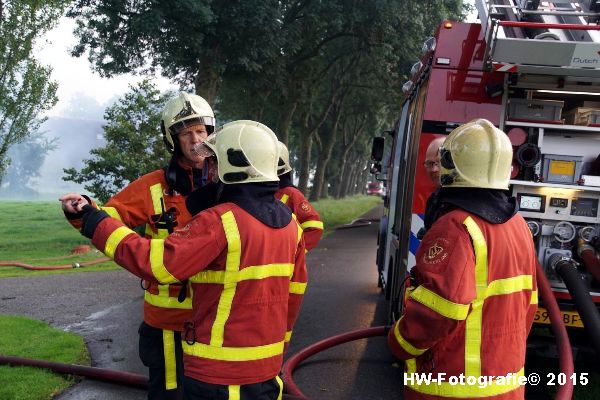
[[91, 218]]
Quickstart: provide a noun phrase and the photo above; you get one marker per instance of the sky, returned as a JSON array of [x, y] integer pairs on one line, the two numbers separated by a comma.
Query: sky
[[82, 93]]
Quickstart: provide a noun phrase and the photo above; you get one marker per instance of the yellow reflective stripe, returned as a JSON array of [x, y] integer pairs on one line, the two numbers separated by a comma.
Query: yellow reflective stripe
[[234, 392], [299, 229], [411, 366], [474, 320], [510, 285], [233, 353], [534, 297], [409, 348], [170, 365], [163, 301], [232, 266], [156, 193], [280, 383], [111, 211], [297, 287], [288, 336], [496, 387], [439, 304], [253, 272], [312, 224], [114, 239], [157, 249], [284, 198]]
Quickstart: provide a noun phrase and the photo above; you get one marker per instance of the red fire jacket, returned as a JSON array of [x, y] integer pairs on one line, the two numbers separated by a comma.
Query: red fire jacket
[[248, 280], [138, 204], [472, 309], [309, 218]]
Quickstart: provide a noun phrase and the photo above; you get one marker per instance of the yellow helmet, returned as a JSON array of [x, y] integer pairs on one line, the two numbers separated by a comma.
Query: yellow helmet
[[476, 154], [283, 166], [247, 151], [183, 110]]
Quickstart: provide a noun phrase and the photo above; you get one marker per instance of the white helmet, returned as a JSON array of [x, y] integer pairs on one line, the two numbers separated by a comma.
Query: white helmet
[[183, 110], [476, 154], [247, 151], [283, 166]]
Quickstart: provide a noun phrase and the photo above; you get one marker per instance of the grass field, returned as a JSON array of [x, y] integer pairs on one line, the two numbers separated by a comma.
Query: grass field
[[34, 339], [37, 233]]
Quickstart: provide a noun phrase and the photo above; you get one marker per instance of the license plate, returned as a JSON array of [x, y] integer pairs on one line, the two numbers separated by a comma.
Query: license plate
[[570, 318]]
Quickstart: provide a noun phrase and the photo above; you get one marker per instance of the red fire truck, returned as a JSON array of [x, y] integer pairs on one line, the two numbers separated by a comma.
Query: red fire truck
[[533, 69]]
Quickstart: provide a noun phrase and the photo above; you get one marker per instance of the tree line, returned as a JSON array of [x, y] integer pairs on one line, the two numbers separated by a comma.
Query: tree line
[[325, 75]]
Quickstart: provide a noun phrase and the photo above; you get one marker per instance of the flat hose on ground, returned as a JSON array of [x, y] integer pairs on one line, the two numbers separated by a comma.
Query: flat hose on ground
[[52, 267], [564, 392]]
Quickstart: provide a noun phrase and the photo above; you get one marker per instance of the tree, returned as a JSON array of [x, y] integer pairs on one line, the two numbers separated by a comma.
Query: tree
[[26, 158], [134, 143], [24, 84], [192, 42]]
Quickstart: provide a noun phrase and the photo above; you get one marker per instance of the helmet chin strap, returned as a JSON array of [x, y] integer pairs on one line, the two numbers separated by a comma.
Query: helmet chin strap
[[448, 179]]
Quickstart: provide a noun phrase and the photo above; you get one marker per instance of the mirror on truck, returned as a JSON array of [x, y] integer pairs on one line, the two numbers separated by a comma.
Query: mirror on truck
[[377, 149]]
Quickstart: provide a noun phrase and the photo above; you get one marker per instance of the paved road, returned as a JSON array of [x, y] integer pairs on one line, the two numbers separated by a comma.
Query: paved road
[[105, 308]]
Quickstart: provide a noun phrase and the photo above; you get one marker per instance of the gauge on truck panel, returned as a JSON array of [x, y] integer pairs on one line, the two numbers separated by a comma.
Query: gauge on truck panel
[[558, 202], [584, 207], [531, 202]]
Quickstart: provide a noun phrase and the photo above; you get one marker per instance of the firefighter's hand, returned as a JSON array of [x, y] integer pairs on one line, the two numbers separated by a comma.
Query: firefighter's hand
[[73, 202]]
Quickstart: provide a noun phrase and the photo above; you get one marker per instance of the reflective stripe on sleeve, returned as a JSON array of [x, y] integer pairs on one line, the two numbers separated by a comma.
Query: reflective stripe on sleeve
[[112, 212], [312, 224], [284, 198], [439, 304], [160, 272], [409, 348], [114, 239]]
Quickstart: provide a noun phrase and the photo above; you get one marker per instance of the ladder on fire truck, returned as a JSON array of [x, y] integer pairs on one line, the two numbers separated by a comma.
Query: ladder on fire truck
[[559, 38]]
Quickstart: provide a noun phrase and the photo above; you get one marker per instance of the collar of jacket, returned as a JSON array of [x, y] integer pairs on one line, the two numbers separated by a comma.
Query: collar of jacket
[[492, 205], [182, 178], [258, 199], [285, 180]]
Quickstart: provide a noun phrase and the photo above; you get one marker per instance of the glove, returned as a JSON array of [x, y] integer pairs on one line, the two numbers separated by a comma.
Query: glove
[[90, 219]]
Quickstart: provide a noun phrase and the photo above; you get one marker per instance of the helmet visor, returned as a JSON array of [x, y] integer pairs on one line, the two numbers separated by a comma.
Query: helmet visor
[[205, 149], [206, 121]]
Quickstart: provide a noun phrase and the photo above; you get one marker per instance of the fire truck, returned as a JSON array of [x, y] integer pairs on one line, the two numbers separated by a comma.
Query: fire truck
[[533, 69]]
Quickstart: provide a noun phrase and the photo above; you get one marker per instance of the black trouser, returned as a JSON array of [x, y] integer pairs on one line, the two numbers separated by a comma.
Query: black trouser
[[267, 390], [165, 373]]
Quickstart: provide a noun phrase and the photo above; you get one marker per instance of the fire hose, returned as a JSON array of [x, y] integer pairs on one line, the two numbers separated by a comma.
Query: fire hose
[[52, 267], [292, 390]]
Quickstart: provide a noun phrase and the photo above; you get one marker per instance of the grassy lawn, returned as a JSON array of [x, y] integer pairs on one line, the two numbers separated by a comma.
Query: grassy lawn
[[339, 212], [34, 339]]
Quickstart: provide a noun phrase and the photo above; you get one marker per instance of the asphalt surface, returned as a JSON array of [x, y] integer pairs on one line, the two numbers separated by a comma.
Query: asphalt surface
[[342, 295]]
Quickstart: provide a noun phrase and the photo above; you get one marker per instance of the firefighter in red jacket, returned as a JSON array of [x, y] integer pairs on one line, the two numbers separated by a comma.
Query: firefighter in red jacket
[[476, 295], [245, 260], [288, 194], [158, 200]]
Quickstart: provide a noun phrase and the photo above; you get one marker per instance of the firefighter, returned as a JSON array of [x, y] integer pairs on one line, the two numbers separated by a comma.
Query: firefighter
[[288, 194], [475, 295], [245, 260], [157, 200], [432, 160], [432, 167]]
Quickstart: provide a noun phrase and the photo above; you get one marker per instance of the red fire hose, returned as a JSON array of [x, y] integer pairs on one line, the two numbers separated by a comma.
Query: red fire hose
[[101, 374], [52, 267], [592, 264], [564, 392]]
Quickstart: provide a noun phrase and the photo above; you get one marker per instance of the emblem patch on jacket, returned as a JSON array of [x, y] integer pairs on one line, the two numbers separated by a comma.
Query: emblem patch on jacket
[[304, 206], [436, 252]]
